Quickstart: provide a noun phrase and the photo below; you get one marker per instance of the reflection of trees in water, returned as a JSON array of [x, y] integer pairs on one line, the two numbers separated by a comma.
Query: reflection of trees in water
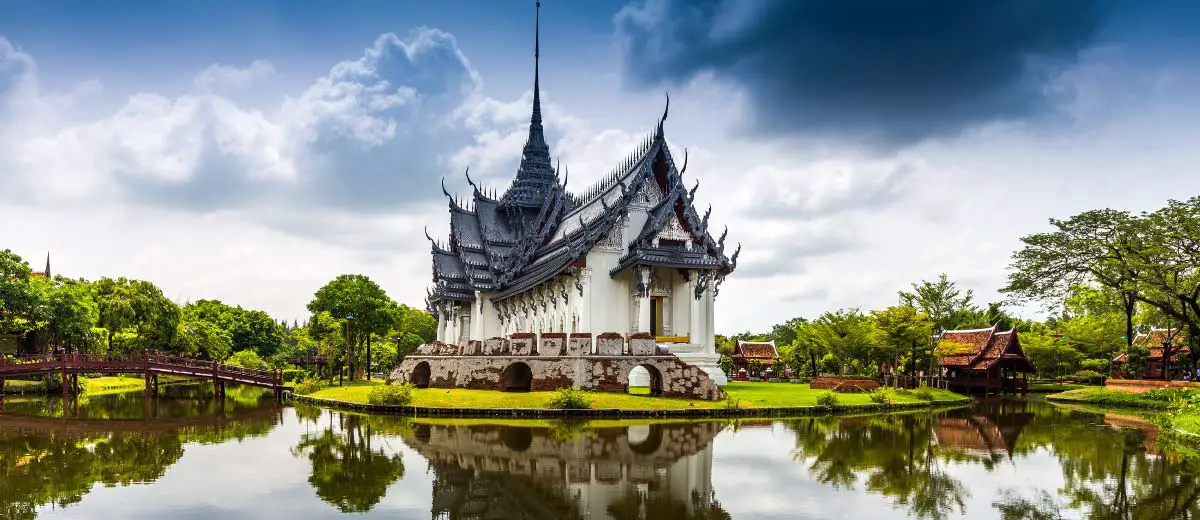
[[895, 453], [349, 471], [1110, 473], [177, 401], [51, 461]]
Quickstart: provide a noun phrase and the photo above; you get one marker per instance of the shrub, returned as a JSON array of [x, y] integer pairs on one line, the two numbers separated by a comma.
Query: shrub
[[391, 394], [569, 399], [880, 396], [308, 386], [1090, 376], [293, 375], [248, 359], [733, 403], [923, 393], [827, 399]]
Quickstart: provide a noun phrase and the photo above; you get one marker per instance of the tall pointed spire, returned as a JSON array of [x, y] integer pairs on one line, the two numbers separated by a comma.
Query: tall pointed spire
[[536, 174], [536, 118]]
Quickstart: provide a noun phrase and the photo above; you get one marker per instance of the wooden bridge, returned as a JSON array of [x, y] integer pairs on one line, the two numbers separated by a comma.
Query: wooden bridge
[[148, 365]]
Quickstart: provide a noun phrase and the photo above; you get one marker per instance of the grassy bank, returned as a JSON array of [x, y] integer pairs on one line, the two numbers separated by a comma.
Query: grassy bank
[[1102, 397], [94, 386], [1171, 408], [747, 395]]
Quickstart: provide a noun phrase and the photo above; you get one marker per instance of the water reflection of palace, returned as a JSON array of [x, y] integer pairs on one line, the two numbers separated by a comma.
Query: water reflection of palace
[[991, 427], [648, 471]]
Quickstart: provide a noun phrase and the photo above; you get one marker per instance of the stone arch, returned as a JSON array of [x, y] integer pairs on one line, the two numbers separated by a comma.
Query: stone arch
[[420, 375], [644, 439], [517, 377], [648, 376]]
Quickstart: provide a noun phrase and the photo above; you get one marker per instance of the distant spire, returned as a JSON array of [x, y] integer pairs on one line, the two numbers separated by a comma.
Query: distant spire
[[48, 264]]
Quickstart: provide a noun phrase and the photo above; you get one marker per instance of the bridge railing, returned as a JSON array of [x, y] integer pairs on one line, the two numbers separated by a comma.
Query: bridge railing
[[143, 362]]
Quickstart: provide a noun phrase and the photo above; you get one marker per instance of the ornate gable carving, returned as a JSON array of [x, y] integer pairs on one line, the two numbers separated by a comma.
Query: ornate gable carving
[[612, 241], [673, 230]]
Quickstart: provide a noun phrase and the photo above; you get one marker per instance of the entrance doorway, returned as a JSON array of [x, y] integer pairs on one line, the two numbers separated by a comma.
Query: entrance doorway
[[656, 315]]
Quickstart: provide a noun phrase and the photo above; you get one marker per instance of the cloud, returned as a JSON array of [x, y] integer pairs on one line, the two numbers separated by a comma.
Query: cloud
[[218, 77], [357, 140], [878, 72]]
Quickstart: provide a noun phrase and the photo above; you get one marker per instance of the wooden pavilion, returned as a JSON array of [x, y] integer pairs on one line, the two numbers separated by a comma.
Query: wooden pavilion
[[747, 352], [1153, 342], [983, 361]]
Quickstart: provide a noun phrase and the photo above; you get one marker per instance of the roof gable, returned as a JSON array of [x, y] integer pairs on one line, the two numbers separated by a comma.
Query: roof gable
[[755, 349]]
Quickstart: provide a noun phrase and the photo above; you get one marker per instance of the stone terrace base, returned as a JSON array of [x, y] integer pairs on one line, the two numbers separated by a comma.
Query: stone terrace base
[[599, 373], [1140, 386]]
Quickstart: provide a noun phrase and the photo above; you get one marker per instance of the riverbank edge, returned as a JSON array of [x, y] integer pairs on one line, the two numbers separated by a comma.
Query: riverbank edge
[[620, 413], [1171, 423]]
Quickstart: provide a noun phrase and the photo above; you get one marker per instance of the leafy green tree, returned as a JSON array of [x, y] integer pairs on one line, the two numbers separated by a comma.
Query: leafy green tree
[[905, 329], [357, 299], [1050, 353], [73, 313], [202, 338], [946, 305], [850, 336], [348, 470], [16, 296]]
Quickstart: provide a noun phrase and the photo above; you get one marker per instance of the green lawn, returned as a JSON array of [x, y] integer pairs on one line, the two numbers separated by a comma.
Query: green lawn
[[750, 395]]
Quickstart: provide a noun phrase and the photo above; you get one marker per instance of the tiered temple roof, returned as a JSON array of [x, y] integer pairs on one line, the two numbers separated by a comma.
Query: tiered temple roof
[[1153, 341], [537, 230], [754, 350], [982, 348]]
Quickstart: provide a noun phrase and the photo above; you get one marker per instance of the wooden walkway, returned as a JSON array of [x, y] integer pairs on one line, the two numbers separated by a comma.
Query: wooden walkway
[[148, 365]]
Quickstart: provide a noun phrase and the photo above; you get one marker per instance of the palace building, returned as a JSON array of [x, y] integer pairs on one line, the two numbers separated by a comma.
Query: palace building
[[628, 255]]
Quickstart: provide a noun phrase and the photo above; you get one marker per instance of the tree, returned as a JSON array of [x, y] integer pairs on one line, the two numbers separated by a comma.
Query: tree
[[114, 300], [16, 295], [361, 302], [1152, 258], [904, 327], [848, 335], [946, 305], [72, 315], [199, 337]]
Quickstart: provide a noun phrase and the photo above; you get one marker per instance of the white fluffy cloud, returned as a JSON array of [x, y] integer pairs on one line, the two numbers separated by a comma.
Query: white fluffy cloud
[[260, 203]]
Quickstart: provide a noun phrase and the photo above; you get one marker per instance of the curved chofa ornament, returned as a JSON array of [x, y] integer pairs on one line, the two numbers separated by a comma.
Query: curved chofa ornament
[[704, 221], [431, 240], [666, 109], [445, 191], [733, 259], [692, 192], [685, 159], [721, 241]]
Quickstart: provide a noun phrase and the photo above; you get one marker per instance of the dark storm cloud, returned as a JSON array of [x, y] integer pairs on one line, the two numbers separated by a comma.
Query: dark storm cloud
[[881, 71]]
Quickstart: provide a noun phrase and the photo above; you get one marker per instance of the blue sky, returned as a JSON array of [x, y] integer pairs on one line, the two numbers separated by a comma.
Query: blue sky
[[250, 151]]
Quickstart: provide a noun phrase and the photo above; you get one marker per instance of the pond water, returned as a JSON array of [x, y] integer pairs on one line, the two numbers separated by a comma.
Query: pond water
[[188, 455]]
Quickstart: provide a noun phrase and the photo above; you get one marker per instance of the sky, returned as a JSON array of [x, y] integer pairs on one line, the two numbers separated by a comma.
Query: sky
[[252, 151]]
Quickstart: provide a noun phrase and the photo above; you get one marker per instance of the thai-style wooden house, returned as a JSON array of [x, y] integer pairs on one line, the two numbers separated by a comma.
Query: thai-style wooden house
[[1152, 341], [745, 353], [983, 361]]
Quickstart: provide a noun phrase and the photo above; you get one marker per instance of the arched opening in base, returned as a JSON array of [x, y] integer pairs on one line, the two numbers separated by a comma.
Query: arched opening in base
[[420, 375], [645, 380], [516, 377]]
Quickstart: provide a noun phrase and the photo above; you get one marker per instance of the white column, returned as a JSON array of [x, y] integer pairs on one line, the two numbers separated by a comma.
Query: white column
[[710, 345], [695, 335], [644, 301], [477, 317], [585, 302]]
